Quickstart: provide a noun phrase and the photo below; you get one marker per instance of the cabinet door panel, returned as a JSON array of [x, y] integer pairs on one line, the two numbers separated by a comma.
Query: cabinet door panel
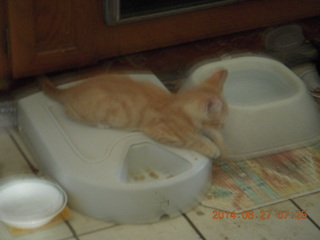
[[53, 27], [51, 35]]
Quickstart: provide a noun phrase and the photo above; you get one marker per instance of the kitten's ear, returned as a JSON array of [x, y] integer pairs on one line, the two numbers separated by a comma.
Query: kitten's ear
[[217, 79], [213, 104]]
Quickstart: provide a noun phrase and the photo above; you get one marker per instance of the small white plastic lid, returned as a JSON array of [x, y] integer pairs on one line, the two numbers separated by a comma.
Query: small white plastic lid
[[312, 81], [284, 38], [30, 202]]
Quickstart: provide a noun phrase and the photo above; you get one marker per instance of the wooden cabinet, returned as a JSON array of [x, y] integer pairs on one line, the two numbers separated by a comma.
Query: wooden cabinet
[[51, 35], [40, 36]]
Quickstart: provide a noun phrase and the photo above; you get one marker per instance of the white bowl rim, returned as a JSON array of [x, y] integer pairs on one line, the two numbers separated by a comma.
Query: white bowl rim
[[52, 212]]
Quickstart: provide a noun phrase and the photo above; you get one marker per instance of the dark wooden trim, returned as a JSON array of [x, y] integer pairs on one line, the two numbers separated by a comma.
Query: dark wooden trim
[[4, 55], [39, 47]]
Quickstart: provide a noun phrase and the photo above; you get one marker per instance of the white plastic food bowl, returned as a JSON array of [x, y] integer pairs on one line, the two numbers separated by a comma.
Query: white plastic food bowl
[[29, 202], [110, 174], [270, 109]]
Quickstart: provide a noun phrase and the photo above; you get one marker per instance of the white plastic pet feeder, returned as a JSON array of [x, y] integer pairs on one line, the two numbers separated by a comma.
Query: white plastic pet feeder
[[110, 174], [270, 108]]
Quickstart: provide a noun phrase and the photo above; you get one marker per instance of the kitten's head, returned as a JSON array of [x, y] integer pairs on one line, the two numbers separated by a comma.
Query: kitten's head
[[214, 104], [205, 102]]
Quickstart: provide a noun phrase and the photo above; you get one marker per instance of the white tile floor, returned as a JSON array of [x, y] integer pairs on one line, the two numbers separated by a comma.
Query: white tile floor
[[197, 224]]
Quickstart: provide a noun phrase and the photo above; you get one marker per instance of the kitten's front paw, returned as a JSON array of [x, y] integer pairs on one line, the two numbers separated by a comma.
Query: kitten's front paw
[[207, 148], [214, 154]]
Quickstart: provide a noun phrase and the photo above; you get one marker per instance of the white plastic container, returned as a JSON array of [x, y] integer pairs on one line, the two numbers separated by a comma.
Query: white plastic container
[[270, 109], [110, 174], [28, 202]]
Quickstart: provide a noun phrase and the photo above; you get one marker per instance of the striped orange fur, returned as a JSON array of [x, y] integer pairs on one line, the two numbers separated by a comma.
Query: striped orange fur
[[189, 119]]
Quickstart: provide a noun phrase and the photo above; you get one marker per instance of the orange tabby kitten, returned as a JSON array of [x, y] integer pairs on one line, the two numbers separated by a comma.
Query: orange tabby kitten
[[188, 119]]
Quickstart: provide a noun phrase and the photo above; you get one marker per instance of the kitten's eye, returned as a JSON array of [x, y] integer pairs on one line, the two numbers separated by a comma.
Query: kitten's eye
[[214, 105]]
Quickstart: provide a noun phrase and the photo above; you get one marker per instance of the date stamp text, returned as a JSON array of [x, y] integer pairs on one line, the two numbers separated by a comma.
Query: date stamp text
[[260, 214]]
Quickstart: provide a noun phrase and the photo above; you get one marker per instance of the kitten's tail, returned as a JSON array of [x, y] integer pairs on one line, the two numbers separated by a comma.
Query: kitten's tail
[[51, 90]]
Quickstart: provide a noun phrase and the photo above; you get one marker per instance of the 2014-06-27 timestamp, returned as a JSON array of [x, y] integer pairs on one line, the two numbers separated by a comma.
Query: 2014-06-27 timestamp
[[262, 214]]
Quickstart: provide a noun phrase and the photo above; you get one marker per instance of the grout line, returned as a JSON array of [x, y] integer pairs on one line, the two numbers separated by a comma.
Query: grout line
[[72, 230], [194, 227], [33, 169], [70, 238], [99, 230], [309, 218]]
